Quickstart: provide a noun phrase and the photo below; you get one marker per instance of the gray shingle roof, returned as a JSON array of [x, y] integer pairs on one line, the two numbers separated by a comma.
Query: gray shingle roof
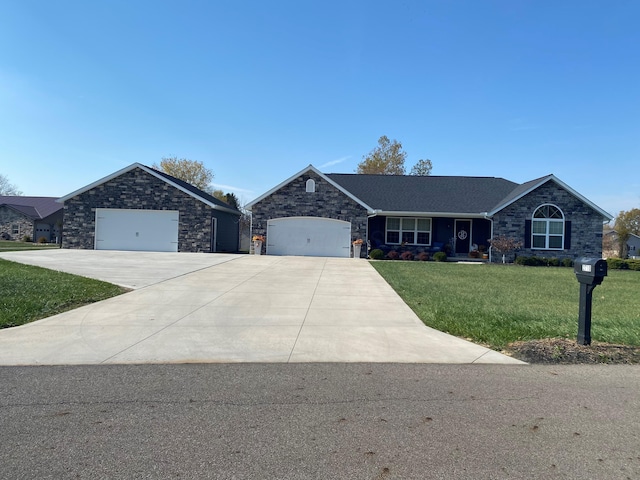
[[35, 207], [521, 189], [194, 190], [408, 193]]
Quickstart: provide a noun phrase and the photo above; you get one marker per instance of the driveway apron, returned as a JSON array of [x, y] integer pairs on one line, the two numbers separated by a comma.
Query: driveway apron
[[209, 308]]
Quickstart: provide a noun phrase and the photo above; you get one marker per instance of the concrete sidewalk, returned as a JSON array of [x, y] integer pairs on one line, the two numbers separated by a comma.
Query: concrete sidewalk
[[235, 308]]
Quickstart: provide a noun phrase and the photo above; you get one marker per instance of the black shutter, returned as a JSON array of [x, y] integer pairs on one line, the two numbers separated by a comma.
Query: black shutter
[[567, 235], [527, 234]]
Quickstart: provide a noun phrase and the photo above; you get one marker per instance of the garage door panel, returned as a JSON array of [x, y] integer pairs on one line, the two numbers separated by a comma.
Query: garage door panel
[[309, 236], [138, 230]]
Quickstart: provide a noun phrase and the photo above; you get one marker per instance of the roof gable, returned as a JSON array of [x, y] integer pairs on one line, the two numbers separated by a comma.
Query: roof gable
[[530, 186], [181, 185], [313, 169]]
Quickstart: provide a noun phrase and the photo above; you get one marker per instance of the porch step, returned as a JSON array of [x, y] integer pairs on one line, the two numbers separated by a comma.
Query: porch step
[[467, 259]]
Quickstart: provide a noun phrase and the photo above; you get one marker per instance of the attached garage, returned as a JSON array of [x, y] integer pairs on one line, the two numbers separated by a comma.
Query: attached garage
[[309, 236], [139, 230]]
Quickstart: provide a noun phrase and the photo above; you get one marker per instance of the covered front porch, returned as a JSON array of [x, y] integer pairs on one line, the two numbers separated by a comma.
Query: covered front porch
[[456, 236]]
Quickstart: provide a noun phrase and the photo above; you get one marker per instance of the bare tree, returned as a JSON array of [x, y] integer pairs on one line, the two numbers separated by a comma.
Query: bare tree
[[8, 188], [422, 168]]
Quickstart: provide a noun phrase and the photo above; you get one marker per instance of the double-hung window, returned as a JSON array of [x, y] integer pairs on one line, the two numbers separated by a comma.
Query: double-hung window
[[547, 228], [412, 231]]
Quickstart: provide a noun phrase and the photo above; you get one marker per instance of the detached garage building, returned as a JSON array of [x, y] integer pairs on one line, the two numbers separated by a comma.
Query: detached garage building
[[140, 208]]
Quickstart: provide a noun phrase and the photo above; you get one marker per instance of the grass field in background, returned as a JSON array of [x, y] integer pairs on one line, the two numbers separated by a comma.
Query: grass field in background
[[500, 304], [9, 246], [30, 293]]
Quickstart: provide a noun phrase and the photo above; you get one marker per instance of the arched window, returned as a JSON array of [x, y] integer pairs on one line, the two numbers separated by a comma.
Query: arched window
[[547, 228], [311, 185]]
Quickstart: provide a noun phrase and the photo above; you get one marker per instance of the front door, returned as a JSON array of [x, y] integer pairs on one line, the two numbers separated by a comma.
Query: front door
[[463, 236]]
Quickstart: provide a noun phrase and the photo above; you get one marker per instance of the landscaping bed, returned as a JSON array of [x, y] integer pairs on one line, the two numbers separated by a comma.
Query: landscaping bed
[[565, 351]]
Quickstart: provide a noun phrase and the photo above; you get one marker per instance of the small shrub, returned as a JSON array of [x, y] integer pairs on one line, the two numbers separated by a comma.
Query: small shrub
[[376, 254], [393, 255], [567, 262], [423, 256], [623, 264], [406, 255], [440, 257], [26, 239], [553, 262], [42, 240], [533, 262], [617, 264], [530, 261]]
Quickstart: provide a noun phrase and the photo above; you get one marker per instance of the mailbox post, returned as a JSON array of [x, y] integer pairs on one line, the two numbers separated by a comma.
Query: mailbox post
[[590, 272]]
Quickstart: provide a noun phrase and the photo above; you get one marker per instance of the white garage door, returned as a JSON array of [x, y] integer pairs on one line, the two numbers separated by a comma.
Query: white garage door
[[308, 236], [148, 230]]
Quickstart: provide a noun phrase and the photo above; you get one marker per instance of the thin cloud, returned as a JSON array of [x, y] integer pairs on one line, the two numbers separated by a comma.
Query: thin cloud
[[335, 162], [231, 188]]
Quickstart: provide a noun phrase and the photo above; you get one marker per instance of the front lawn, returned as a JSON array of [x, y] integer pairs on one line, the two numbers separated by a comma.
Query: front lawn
[[500, 304], [9, 246], [30, 293]]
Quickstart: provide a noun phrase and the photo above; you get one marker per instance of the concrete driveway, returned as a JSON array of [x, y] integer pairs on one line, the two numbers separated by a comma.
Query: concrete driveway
[[231, 308]]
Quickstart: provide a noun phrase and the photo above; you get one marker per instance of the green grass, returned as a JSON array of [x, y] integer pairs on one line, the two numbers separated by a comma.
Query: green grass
[[497, 304], [30, 293], [9, 246]]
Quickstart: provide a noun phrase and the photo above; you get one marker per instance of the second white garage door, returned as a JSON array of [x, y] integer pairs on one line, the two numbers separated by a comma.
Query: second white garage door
[[309, 236], [145, 230]]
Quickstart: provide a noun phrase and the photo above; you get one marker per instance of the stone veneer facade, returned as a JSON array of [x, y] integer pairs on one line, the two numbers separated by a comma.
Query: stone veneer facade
[[585, 229], [10, 218], [137, 189], [292, 200]]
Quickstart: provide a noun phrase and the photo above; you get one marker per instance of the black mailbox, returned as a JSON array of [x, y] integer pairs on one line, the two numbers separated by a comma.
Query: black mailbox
[[590, 272]]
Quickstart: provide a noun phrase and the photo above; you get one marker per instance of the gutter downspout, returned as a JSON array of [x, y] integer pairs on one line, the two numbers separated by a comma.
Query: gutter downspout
[[375, 214], [490, 246]]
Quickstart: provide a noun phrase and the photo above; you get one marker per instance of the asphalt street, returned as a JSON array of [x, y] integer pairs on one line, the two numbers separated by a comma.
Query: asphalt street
[[320, 421]]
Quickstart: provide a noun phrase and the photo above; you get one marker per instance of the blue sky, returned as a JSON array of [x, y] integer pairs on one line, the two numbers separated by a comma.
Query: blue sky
[[258, 90]]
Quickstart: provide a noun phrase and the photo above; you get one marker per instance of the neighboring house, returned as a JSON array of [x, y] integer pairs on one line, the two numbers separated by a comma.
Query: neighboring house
[[633, 245], [318, 214], [140, 208], [34, 217]]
